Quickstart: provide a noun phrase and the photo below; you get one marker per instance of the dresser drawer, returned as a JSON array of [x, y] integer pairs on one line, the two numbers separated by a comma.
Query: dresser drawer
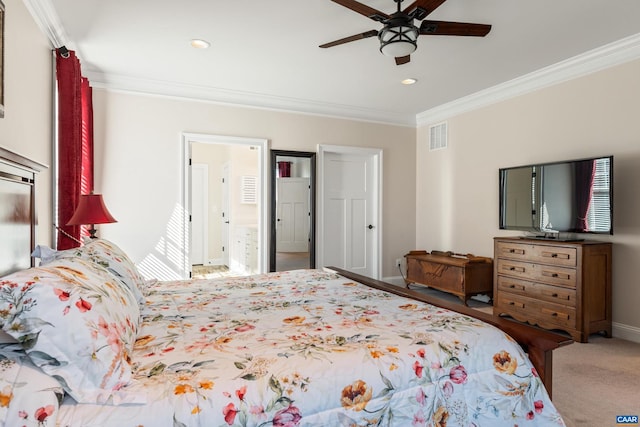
[[554, 294], [553, 255], [550, 274], [545, 314], [554, 284]]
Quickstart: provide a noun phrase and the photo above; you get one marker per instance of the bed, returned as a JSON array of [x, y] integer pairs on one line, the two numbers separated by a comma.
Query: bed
[[89, 342]]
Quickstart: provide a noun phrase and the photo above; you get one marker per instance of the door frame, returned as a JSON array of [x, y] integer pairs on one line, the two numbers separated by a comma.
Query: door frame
[[262, 146], [376, 155], [312, 205]]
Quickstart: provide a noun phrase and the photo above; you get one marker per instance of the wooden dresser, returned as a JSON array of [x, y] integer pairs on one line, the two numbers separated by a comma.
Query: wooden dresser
[[463, 276], [553, 284]]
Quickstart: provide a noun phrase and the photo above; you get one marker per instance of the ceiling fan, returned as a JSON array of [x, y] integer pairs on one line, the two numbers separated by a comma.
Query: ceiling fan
[[398, 37]]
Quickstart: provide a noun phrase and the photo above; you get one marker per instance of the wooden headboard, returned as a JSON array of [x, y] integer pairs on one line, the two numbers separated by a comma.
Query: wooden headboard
[[17, 210]]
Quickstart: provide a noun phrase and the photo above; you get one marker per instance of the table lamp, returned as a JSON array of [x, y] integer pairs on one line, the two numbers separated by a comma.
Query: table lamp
[[91, 210]]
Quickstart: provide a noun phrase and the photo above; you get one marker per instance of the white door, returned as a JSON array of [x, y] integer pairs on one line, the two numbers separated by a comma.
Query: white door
[[199, 213], [226, 215], [292, 220], [350, 231]]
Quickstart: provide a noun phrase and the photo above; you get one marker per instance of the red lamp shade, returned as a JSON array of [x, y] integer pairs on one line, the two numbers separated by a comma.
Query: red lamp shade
[[91, 210]]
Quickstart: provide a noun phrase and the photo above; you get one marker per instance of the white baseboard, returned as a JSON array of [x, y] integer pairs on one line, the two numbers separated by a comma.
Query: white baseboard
[[394, 280], [626, 332]]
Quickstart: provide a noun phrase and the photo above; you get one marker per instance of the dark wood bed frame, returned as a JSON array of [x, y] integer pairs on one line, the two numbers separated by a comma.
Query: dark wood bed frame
[[539, 344], [18, 174]]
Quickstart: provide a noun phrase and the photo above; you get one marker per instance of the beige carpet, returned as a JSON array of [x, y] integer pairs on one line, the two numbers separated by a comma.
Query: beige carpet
[[595, 381], [291, 260]]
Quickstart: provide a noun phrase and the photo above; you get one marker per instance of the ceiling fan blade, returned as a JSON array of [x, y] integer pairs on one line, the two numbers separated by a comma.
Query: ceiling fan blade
[[444, 28], [363, 9], [403, 59], [423, 8], [361, 36]]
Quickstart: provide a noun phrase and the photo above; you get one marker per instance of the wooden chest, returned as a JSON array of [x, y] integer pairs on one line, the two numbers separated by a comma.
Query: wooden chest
[[463, 276], [555, 285]]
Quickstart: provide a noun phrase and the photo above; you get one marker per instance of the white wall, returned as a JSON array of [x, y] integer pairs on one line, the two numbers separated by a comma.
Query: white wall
[[26, 126], [457, 188], [138, 166]]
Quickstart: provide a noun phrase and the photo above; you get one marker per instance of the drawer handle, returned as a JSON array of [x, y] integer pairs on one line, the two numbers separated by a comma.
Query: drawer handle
[[565, 297], [516, 251], [555, 275], [555, 255], [564, 316], [518, 269], [516, 304]]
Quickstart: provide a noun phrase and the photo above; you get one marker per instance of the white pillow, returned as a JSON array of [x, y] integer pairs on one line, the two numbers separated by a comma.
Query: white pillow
[[77, 324]]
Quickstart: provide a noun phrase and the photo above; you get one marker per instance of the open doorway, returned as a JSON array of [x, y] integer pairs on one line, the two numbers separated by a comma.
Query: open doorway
[[293, 210], [225, 201]]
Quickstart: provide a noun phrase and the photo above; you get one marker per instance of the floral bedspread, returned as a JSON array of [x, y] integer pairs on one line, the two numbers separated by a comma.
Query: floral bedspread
[[311, 348]]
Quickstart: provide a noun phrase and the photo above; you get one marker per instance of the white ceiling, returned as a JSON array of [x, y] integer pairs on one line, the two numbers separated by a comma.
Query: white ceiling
[[266, 54]]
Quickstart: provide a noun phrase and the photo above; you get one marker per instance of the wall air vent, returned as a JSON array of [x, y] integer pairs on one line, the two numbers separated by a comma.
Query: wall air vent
[[249, 189], [438, 136]]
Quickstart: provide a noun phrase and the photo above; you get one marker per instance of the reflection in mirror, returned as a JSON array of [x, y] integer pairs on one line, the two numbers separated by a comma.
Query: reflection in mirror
[[292, 210], [519, 210]]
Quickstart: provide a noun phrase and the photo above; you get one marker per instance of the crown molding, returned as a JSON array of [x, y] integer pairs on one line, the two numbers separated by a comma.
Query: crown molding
[[237, 98], [47, 19], [616, 53]]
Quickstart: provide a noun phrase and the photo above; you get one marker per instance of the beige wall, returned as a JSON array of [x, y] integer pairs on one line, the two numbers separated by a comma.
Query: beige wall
[[457, 188], [26, 126], [139, 168]]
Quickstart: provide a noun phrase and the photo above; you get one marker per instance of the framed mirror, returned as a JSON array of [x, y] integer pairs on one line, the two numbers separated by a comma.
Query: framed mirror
[[293, 210]]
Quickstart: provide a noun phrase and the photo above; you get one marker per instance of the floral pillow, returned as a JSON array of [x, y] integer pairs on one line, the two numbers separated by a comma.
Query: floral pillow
[[76, 323], [27, 395], [110, 257]]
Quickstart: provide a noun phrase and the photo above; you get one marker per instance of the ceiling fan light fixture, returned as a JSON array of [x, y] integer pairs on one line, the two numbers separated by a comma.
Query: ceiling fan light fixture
[[397, 40]]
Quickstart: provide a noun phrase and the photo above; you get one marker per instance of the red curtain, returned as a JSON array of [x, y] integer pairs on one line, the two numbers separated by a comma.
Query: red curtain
[[75, 145], [585, 174], [86, 93]]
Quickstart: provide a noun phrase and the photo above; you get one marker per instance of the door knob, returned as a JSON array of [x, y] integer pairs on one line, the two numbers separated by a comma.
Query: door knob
[[370, 227]]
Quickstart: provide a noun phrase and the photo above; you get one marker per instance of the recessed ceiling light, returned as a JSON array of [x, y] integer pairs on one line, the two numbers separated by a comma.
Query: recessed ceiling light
[[200, 44], [409, 81]]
